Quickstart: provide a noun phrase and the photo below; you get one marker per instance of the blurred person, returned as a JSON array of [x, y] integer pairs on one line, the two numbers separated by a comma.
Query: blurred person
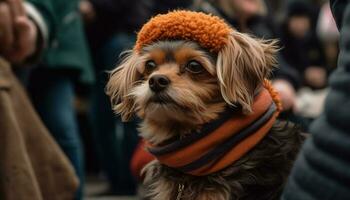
[[250, 16], [301, 47], [32, 164], [322, 168], [53, 32], [110, 27]]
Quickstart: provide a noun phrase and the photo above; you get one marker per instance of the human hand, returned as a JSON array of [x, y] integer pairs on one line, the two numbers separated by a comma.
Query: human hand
[[286, 93], [18, 34], [315, 76], [87, 10]]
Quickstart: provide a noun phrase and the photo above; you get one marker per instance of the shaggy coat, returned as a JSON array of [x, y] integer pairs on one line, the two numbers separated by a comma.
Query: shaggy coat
[[196, 85]]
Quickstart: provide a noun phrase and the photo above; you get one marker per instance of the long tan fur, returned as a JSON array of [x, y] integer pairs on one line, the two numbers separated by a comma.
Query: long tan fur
[[122, 80], [242, 65]]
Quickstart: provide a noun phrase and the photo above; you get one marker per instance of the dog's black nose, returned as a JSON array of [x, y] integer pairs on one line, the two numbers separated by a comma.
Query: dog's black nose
[[158, 83]]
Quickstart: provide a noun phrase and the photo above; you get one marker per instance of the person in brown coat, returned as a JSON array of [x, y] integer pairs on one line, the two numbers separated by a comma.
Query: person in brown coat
[[32, 166]]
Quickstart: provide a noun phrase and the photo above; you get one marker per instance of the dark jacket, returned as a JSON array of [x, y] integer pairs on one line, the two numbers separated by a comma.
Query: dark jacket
[[322, 170], [66, 48]]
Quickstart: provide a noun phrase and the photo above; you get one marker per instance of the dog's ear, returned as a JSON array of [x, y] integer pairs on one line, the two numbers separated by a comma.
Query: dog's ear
[[121, 82], [242, 65]]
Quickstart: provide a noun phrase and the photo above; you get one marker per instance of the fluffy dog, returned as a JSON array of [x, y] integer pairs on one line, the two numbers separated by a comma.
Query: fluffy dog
[[209, 114]]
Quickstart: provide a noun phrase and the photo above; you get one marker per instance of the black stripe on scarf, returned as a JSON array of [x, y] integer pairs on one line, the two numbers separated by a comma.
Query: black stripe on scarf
[[222, 149], [195, 136]]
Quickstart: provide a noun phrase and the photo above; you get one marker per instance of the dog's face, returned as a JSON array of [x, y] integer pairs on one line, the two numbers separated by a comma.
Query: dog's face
[[179, 85]]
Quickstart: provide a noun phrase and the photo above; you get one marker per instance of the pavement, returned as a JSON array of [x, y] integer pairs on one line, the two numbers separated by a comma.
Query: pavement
[[95, 185]]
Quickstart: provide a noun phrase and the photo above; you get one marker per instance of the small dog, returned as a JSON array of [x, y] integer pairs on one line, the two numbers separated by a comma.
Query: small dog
[[190, 86]]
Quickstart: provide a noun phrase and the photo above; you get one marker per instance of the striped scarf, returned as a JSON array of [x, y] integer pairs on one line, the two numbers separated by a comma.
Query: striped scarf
[[223, 141]]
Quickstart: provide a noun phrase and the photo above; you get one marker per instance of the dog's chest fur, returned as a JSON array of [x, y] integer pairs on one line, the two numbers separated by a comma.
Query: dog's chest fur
[[260, 174]]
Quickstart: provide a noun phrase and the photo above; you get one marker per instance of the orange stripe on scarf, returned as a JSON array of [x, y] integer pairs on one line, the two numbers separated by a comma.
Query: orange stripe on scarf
[[237, 152], [234, 125], [230, 128]]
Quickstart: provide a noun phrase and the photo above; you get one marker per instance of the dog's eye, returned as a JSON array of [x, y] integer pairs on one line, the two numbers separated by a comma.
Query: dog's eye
[[150, 65], [194, 67]]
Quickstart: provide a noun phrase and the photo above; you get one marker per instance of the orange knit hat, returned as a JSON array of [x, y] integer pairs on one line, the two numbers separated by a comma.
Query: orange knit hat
[[208, 31]]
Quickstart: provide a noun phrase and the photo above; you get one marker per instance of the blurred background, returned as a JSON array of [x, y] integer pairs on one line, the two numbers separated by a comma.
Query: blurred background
[[104, 146], [309, 46]]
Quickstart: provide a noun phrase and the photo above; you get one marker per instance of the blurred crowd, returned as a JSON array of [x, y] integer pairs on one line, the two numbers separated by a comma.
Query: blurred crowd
[[66, 48]]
